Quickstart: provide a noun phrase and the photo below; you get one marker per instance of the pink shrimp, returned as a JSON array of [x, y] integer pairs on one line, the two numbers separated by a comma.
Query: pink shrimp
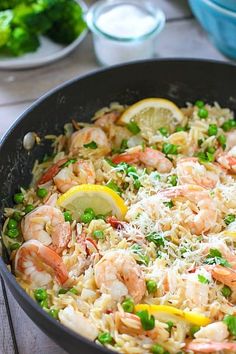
[[148, 156], [81, 172], [47, 225], [118, 274], [51, 172], [205, 218], [210, 347], [107, 119], [227, 160], [88, 135], [190, 171], [38, 264]]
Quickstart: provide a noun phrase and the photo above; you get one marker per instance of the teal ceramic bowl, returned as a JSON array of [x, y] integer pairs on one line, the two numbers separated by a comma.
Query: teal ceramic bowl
[[227, 4], [220, 24]]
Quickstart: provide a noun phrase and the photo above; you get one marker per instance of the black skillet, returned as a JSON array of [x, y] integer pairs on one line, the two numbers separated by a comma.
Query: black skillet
[[178, 80]]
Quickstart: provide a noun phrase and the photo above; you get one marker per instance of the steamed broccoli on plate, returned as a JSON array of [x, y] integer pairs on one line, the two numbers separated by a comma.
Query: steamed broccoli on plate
[[22, 21]]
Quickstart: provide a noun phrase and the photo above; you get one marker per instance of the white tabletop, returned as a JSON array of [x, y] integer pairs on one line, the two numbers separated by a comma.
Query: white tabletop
[[182, 37]]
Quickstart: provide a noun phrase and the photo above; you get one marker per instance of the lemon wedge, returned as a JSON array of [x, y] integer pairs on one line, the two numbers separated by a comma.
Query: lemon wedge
[[190, 316], [229, 233], [151, 114], [102, 199]]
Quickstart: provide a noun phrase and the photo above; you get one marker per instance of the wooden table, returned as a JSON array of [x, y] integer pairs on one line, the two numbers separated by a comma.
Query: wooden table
[[182, 37]]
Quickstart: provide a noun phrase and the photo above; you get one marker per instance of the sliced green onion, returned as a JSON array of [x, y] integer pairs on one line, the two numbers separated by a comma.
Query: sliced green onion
[[133, 127], [92, 145]]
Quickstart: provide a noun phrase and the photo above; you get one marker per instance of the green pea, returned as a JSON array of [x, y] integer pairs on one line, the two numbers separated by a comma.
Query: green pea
[[226, 291], [229, 218], [222, 140], [18, 198], [17, 216], [105, 338], [157, 349], [13, 233], [28, 208], [40, 294], [199, 104], [211, 150], [98, 234], [212, 129], [151, 286], [12, 224], [202, 113], [67, 216], [128, 305], [163, 131], [53, 313], [193, 330], [62, 291], [89, 211], [42, 192], [228, 125], [74, 291], [86, 218]]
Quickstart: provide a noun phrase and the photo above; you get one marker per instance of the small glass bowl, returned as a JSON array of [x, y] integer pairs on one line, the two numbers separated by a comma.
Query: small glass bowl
[[111, 49]]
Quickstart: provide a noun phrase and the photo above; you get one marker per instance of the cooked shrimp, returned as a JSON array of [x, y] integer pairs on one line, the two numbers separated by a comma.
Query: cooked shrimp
[[224, 275], [47, 225], [148, 156], [88, 135], [128, 323], [228, 160], [210, 347], [51, 172], [76, 321], [38, 264], [107, 119], [190, 171], [205, 217], [216, 331], [81, 172], [117, 273]]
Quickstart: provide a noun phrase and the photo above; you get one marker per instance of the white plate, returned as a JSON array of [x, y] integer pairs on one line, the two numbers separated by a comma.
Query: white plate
[[48, 52]]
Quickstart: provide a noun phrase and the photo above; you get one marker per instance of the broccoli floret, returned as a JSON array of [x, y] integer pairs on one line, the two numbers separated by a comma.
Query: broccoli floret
[[31, 17], [22, 41], [9, 4], [69, 25], [5, 28]]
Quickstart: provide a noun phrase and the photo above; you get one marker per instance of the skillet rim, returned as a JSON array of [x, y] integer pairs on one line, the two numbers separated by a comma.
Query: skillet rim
[[7, 276]]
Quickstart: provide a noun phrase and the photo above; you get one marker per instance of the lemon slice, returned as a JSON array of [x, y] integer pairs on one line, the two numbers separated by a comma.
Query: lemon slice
[[229, 233], [190, 316], [151, 114], [101, 199]]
